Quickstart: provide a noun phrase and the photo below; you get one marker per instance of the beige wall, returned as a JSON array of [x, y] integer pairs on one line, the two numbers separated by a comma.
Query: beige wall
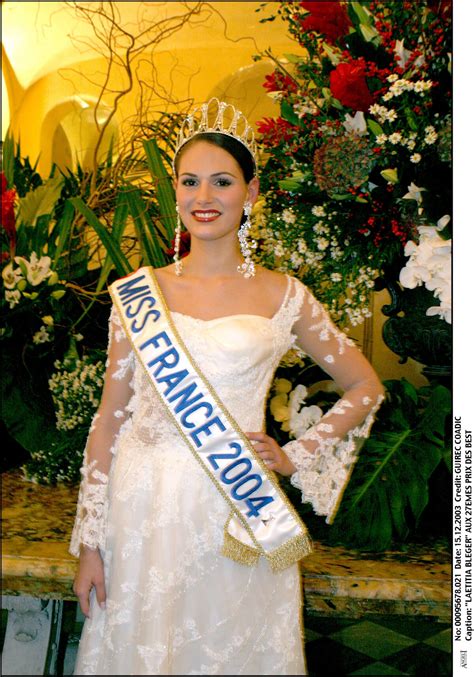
[[54, 73]]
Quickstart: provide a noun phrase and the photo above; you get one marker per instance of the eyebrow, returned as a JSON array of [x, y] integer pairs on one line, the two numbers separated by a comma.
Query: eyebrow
[[212, 175]]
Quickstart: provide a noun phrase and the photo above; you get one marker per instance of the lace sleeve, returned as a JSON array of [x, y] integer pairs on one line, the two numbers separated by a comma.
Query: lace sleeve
[[325, 454], [89, 526]]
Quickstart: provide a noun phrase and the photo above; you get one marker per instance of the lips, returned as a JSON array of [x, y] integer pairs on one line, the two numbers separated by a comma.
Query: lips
[[206, 215]]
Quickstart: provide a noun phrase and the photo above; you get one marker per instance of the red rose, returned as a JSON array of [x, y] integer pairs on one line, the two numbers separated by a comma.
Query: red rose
[[329, 18], [348, 84]]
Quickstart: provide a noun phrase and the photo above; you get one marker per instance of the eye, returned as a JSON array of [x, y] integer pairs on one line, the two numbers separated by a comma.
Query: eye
[[188, 182], [223, 182]]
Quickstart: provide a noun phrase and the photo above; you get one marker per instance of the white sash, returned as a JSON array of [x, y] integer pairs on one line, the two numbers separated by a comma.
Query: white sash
[[262, 521]]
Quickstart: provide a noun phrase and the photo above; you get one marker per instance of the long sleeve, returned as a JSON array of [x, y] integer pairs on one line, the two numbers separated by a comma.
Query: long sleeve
[[111, 416], [325, 454]]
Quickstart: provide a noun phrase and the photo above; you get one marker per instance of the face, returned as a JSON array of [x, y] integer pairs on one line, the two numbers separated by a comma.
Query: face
[[211, 191]]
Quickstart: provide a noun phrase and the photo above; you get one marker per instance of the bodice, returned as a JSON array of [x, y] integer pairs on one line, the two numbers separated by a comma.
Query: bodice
[[238, 355]]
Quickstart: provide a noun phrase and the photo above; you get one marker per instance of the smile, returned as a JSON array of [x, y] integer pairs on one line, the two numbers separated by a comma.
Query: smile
[[208, 215]]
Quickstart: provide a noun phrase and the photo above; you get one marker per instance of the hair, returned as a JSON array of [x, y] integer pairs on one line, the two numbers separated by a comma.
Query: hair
[[239, 152]]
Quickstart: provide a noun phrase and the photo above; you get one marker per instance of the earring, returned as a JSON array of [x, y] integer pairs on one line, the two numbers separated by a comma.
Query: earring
[[178, 265], [248, 266]]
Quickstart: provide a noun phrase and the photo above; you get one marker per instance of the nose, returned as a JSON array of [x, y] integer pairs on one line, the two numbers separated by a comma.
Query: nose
[[204, 193]]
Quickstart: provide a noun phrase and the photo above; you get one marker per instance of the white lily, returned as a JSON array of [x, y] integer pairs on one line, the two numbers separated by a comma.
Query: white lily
[[414, 193], [11, 276], [355, 124], [429, 263], [37, 269], [402, 53]]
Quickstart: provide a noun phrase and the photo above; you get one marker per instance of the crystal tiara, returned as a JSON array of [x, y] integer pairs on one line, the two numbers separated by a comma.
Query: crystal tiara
[[219, 117]]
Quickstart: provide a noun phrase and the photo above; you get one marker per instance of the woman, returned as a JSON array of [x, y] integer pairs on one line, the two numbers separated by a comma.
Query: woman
[[171, 576]]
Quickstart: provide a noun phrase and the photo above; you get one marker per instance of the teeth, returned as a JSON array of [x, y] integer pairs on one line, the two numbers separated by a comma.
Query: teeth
[[206, 215]]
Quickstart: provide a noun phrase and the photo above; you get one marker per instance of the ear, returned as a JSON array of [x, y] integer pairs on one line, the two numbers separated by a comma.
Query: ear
[[253, 188]]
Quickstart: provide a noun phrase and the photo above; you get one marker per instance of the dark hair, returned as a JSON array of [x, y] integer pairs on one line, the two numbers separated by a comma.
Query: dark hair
[[239, 152]]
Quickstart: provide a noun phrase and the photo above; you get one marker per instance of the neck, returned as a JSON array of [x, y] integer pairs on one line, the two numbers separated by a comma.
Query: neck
[[204, 261]]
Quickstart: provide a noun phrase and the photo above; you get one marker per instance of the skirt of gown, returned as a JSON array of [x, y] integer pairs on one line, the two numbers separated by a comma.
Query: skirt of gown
[[175, 606]]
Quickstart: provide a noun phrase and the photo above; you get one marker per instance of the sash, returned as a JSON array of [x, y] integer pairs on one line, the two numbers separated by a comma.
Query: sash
[[262, 520]]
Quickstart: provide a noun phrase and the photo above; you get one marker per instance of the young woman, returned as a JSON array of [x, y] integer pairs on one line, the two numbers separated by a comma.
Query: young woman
[[187, 548]]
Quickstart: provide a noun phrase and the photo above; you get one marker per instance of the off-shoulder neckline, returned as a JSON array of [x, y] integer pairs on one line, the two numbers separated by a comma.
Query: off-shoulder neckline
[[241, 315]]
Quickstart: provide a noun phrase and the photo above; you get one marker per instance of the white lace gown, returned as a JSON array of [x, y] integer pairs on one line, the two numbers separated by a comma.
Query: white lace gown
[[175, 605]]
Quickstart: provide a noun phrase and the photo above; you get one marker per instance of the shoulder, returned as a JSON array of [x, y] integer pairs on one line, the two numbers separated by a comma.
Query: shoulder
[[273, 281]]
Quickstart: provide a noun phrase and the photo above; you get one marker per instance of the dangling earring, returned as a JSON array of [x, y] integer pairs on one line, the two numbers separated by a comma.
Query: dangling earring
[[248, 266], [178, 265]]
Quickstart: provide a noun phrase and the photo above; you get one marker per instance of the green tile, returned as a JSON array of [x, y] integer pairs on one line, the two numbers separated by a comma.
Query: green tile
[[422, 659], [443, 640], [416, 628], [372, 639], [325, 658], [378, 669], [309, 635]]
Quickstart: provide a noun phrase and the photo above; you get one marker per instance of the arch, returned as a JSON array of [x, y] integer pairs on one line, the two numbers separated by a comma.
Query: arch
[[70, 133]]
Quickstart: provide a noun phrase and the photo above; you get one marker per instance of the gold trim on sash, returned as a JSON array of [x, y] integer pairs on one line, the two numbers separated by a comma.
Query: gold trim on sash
[[285, 540]]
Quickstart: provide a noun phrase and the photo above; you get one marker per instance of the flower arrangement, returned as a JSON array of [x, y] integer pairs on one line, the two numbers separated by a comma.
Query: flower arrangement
[[429, 263], [359, 159], [76, 386]]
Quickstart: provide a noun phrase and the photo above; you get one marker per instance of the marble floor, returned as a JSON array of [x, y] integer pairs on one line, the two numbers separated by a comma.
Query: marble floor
[[374, 645]]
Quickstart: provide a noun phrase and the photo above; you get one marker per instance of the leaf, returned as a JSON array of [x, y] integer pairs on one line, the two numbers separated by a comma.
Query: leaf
[[394, 468], [362, 14], [8, 159], [164, 188], [287, 113], [62, 232], [121, 263], [118, 228], [374, 127], [151, 245], [294, 58], [40, 201]]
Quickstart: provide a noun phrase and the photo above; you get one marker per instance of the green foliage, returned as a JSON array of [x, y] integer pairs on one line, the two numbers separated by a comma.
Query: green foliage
[[389, 488], [58, 297]]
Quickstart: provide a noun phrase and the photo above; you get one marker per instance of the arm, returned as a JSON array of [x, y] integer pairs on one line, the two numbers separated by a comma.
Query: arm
[[89, 528], [324, 456], [321, 460]]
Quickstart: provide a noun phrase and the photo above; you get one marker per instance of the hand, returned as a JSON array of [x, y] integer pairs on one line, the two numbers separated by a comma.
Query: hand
[[271, 453], [90, 574]]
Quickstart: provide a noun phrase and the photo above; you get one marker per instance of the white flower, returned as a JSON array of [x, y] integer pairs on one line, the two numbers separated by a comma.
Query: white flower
[[395, 138], [13, 297], [429, 263], [11, 276], [414, 193], [401, 53], [430, 135], [42, 336], [37, 269], [288, 216], [416, 157], [356, 124], [317, 210]]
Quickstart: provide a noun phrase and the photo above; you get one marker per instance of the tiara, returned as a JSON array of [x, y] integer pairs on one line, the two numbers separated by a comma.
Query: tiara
[[219, 117]]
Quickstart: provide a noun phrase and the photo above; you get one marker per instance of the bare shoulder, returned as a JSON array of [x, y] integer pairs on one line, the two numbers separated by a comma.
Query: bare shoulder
[[273, 283]]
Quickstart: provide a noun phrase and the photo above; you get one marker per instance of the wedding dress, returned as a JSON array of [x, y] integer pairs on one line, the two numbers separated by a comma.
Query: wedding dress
[[175, 605]]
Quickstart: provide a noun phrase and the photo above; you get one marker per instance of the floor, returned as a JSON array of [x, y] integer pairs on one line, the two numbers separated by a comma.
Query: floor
[[375, 645]]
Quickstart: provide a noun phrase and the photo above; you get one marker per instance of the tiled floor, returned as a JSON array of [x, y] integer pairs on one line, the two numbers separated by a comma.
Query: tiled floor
[[375, 645]]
